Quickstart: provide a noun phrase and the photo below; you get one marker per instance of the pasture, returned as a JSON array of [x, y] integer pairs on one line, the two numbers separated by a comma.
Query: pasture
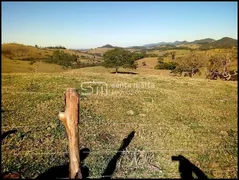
[[196, 118]]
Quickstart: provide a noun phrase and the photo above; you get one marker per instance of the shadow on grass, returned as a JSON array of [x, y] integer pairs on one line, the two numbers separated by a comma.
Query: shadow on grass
[[124, 73], [107, 174], [63, 170], [4, 135], [186, 168]]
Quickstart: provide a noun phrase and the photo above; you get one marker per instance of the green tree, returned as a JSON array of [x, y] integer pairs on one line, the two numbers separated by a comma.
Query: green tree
[[190, 64], [62, 58], [119, 57]]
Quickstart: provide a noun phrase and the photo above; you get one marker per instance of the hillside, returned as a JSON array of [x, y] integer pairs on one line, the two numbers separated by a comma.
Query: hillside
[[18, 58], [206, 43], [107, 46], [203, 41], [225, 42], [24, 52], [19, 66]]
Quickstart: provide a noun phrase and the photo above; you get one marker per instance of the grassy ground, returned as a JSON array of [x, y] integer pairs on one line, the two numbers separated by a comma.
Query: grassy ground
[[14, 51], [170, 116], [10, 66]]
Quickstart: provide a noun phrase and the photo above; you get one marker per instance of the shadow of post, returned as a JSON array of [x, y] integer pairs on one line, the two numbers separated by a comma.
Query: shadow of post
[[59, 172], [107, 174], [4, 135], [186, 168]]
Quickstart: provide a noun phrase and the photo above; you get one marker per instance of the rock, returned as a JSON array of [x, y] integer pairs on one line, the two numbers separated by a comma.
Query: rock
[[130, 112], [223, 133], [142, 115]]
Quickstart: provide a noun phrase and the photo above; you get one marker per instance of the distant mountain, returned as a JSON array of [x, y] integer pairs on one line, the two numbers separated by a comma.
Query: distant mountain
[[179, 42], [107, 46], [206, 43], [203, 41], [156, 44], [225, 42], [136, 47], [166, 43]]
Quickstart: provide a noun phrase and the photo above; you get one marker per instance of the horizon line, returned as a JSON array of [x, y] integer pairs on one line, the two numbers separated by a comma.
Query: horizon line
[[116, 45]]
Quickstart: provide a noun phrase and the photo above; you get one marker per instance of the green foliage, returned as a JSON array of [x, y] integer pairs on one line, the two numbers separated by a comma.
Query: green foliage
[[82, 65], [166, 65], [55, 47], [190, 64], [166, 54], [160, 59], [138, 55], [151, 55], [61, 58], [119, 57]]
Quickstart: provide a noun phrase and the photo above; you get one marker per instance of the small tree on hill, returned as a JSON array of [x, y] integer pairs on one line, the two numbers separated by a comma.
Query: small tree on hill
[[173, 54], [119, 57], [190, 64]]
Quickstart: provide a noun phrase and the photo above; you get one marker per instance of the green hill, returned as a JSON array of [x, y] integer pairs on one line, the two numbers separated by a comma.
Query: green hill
[[225, 42], [107, 46], [203, 41]]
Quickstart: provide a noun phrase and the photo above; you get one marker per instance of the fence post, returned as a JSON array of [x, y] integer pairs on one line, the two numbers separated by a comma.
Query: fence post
[[70, 119]]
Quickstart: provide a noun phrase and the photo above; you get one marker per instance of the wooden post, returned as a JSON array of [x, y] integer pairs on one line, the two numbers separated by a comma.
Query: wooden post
[[70, 119]]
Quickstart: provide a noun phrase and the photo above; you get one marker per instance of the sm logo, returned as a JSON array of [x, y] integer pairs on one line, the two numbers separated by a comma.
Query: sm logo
[[94, 88]]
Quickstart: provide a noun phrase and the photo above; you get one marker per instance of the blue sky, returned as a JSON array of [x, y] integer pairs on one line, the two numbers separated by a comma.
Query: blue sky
[[93, 24]]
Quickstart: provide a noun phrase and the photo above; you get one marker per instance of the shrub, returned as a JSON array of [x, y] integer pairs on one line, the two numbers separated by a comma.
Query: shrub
[[61, 58], [165, 65]]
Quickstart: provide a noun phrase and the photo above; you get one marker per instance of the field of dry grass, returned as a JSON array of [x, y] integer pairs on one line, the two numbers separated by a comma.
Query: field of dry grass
[[15, 51], [98, 50], [170, 116], [18, 66]]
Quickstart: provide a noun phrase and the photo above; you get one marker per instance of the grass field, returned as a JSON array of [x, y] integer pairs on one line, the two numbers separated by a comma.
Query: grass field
[[14, 51], [196, 118], [15, 66]]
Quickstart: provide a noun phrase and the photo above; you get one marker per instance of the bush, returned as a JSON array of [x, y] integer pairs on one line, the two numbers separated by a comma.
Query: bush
[[61, 58], [151, 55], [32, 62], [159, 66], [160, 59], [165, 65], [82, 65], [138, 55]]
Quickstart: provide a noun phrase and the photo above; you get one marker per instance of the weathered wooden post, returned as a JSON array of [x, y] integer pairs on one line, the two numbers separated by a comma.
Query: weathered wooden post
[[70, 119]]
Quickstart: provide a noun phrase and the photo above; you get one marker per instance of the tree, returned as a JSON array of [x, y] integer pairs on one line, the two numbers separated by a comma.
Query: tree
[[160, 59], [62, 58], [219, 66], [119, 57], [173, 54], [190, 64]]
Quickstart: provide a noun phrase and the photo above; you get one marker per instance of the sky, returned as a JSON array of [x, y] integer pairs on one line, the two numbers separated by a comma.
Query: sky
[[93, 24]]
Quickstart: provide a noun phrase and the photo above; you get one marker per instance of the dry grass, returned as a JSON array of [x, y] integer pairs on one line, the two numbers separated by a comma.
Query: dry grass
[[193, 117], [15, 51], [14, 66], [99, 50], [151, 62]]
